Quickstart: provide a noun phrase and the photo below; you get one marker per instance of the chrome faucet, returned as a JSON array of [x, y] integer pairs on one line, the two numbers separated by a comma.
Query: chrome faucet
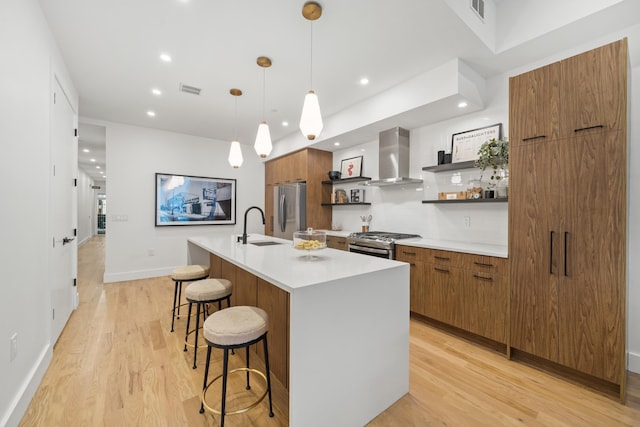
[[244, 230]]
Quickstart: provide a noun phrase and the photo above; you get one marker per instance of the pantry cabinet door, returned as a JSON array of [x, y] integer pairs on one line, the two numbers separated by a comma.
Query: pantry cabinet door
[[592, 268], [594, 90], [534, 250], [534, 106]]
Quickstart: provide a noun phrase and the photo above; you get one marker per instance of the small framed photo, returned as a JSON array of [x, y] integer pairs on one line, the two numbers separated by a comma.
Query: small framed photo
[[465, 145], [357, 195], [351, 168]]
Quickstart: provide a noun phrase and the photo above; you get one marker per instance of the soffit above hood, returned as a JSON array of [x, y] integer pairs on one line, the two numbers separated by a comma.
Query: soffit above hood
[[393, 159]]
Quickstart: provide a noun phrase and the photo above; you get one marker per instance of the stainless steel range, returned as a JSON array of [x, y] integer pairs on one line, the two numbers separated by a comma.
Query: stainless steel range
[[376, 243]]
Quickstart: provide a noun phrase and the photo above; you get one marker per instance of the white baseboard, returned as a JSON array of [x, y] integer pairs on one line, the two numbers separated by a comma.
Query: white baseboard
[[136, 275], [634, 362], [25, 393]]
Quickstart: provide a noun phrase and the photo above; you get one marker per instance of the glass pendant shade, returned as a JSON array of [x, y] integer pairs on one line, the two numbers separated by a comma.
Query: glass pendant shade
[[235, 155], [263, 144], [311, 119]]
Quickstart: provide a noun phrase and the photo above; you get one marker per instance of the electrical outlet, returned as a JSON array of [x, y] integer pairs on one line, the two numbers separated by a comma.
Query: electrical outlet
[[13, 346], [467, 222]]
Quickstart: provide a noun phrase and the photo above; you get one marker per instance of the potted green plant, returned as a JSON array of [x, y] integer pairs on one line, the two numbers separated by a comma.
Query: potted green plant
[[494, 153]]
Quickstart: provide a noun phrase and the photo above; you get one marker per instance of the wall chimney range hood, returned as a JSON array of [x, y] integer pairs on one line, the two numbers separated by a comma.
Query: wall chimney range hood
[[393, 159]]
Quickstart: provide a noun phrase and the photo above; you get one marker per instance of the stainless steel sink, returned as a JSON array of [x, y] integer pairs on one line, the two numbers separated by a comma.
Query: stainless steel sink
[[266, 243]]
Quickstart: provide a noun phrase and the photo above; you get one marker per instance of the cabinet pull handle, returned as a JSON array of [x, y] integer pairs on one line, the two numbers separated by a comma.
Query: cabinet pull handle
[[589, 128], [412, 264], [408, 253], [566, 233], [441, 258], [551, 252], [482, 264], [488, 279], [529, 138], [441, 270]]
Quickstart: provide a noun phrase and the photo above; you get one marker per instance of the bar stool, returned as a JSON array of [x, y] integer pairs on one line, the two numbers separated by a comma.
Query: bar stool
[[186, 273], [231, 328], [202, 293]]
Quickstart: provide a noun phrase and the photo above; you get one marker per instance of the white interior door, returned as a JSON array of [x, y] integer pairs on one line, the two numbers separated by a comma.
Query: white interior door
[[62, 197]]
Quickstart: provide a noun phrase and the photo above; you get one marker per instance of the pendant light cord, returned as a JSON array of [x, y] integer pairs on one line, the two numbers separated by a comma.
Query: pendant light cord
[[264, 91], [311, 61], [235, 127]]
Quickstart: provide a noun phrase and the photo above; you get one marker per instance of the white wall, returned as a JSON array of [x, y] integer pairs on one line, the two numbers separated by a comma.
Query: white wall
[[400, 208], [28, 64], [134, 156]]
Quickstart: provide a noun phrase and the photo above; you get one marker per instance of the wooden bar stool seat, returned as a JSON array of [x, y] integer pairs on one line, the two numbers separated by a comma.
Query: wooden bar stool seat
[[202, 293], [186, 273], [228, 329]]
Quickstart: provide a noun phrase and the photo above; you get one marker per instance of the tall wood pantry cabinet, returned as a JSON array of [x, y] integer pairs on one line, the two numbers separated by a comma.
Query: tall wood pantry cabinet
[[567, 215]]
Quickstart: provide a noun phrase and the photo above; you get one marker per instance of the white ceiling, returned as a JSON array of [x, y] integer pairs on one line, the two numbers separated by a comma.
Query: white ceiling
[[112, 49]]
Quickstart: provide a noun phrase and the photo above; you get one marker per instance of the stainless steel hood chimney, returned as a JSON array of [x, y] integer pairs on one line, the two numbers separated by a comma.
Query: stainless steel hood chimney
[[393, 159]]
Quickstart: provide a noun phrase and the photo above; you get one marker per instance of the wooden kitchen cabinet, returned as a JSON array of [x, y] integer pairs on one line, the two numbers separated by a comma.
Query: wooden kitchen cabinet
[[534, 98], [467, 291], [337, 242], [417, 286], [593, 90], [567, 224], [308, 165]]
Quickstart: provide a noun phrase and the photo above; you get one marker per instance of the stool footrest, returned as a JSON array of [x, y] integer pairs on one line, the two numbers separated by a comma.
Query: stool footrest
[[241, 410]]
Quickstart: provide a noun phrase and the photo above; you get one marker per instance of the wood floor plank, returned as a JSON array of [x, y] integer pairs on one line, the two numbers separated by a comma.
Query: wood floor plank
[[117, 364]]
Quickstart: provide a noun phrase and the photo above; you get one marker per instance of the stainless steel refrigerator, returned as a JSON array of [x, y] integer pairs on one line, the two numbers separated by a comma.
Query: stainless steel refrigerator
[[289, 209]]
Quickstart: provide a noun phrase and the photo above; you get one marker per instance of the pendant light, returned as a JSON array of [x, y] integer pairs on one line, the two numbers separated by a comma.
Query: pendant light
[[263, 144], [311, 119], [235, 153]]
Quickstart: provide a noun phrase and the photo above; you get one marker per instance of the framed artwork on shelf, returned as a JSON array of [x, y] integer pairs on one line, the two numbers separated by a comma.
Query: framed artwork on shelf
[[194, 200], [350, 168], [465, 145]]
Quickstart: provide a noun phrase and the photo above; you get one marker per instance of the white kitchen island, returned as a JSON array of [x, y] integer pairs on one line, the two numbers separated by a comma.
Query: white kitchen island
[[349, 326]]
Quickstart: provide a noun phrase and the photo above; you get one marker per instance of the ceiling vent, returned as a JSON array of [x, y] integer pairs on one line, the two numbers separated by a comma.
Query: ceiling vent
[[190, 89], [478, 8]]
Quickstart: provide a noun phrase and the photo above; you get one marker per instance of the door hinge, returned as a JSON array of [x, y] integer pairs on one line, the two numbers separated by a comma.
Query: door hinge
[[54, 313], [75, 282], [54, 242], [75, 182], [54, 97], [75, 132], [75, 232]]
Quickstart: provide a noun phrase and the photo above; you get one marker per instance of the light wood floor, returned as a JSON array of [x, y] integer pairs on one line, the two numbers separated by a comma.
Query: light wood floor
[[117, 364]]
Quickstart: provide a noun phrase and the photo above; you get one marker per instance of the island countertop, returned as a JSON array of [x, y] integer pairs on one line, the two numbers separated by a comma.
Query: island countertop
[[289, 268]]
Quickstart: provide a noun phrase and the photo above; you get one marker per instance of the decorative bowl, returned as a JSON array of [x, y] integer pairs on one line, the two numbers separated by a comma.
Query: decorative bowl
[[333, 175], [309, 240]]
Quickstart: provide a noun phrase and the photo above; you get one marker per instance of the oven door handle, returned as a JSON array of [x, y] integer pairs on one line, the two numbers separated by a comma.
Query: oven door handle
[[368, 249]]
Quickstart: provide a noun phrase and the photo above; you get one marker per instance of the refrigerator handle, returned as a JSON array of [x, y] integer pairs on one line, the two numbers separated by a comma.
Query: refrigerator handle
[[282, 214]]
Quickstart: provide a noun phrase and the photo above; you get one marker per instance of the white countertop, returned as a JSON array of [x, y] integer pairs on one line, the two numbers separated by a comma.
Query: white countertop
[[465, 247], [499, 251], [289, 268]]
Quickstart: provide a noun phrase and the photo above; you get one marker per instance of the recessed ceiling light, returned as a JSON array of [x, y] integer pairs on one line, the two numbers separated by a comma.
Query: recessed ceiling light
[[92, 160], [156, 92], [364, 81], [85, 150], [462, 104], [101, 173], [285, 123], [337, 143], [151, 113], [98, 167], [165, 57]]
